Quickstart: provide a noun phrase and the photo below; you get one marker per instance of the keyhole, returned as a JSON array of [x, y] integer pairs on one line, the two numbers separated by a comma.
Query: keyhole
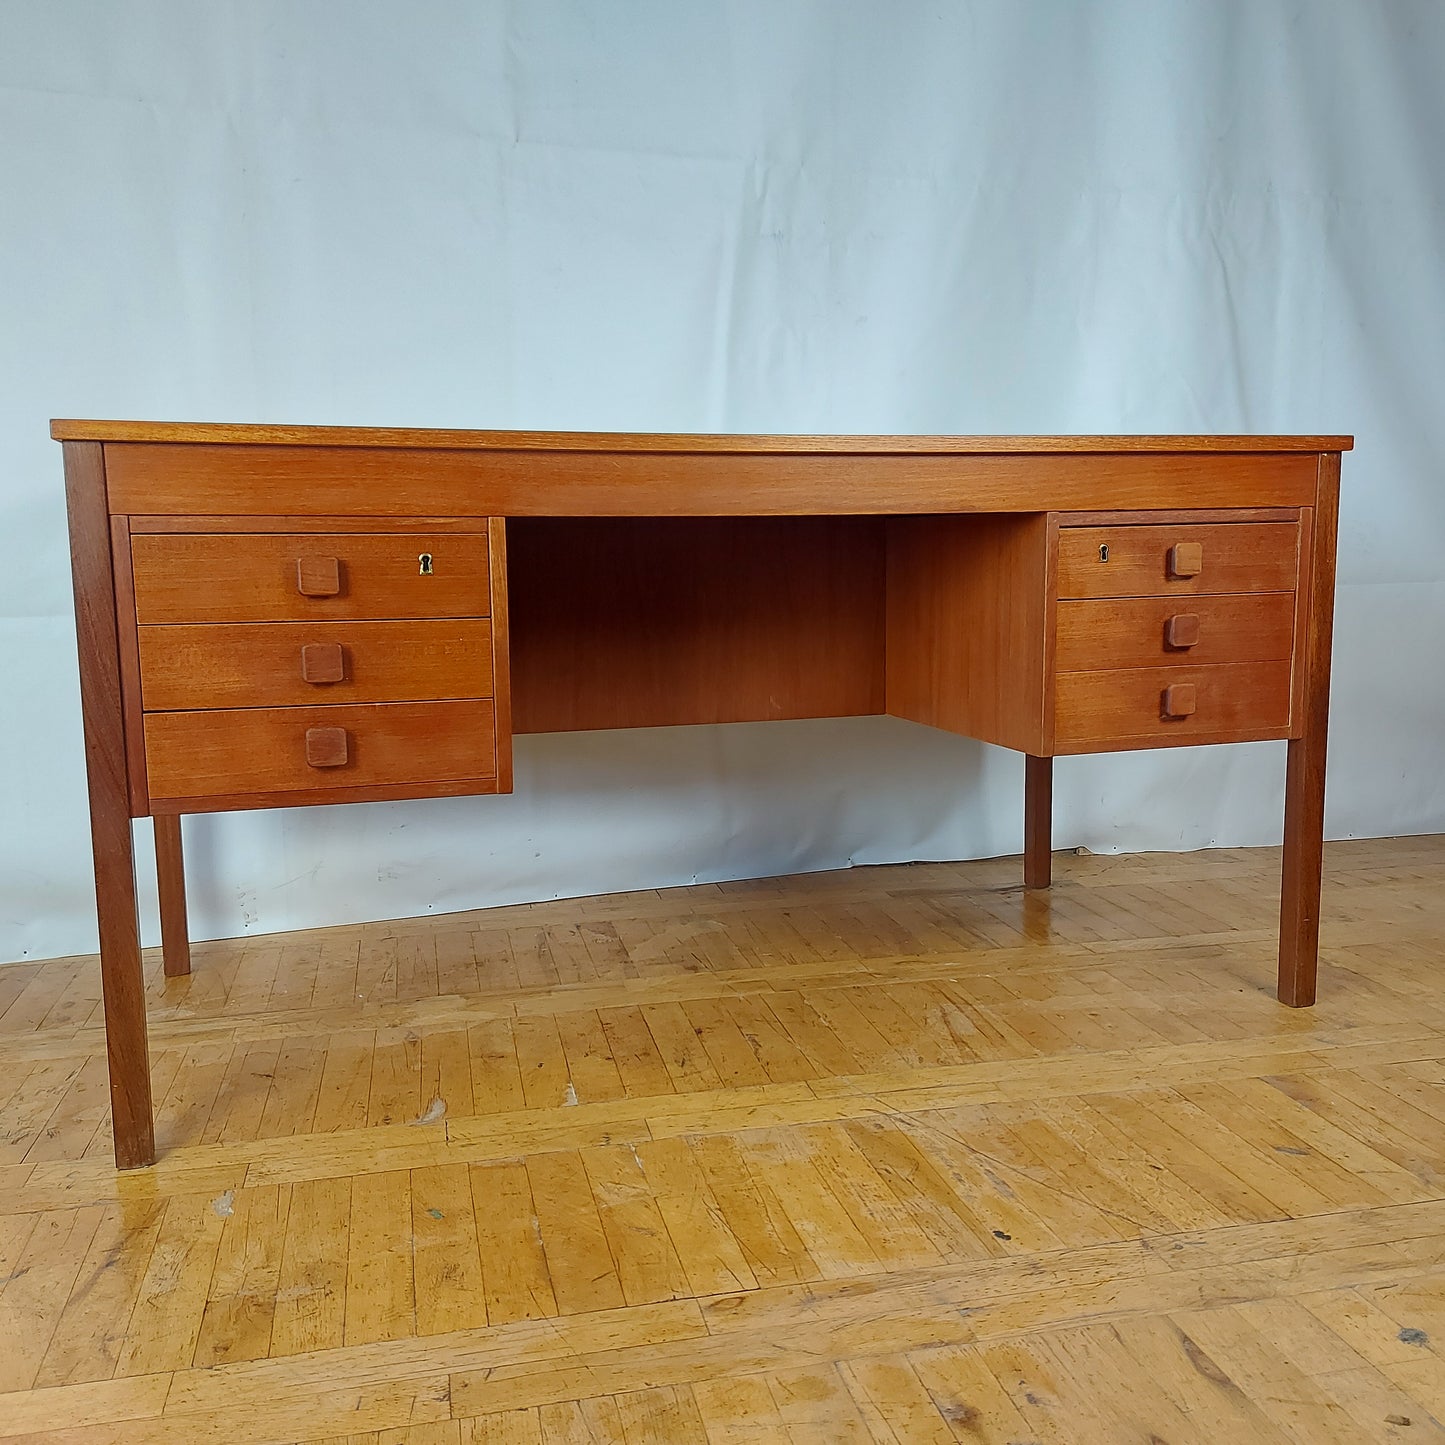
[[425, 564], [1103, 552]]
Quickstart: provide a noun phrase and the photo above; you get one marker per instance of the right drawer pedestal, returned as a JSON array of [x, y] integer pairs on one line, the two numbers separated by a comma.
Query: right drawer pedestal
[[1170, 634]]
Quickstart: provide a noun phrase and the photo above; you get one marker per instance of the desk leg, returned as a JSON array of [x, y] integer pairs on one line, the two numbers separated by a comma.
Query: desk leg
[[171, 877], [1304, 798], [1304, 838], [1038, 821], [121, 979]]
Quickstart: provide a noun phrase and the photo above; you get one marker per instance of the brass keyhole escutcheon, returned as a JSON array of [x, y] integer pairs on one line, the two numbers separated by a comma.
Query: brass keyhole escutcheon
[[424, 564], [1103, 551]]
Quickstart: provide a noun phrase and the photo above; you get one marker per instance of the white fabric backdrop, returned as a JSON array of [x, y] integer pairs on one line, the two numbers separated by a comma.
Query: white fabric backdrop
[[763, 215]]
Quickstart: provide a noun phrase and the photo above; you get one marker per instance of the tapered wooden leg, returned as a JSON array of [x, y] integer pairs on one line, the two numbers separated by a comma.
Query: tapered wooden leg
[[171, 877], [122, 984], [123, 991], [1038, 821], [1304, 838], [1304, 798]]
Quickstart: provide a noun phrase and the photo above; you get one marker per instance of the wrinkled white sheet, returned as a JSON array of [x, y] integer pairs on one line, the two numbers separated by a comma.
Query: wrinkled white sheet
[[1013, 216]]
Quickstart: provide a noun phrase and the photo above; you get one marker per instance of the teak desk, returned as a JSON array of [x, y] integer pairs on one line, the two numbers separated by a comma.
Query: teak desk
[[271, 616]]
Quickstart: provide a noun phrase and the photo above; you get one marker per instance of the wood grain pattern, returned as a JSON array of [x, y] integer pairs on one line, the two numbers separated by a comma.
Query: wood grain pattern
[[1236, 557], [327, 747], [651, 622], [253, 578], [129, 654], [1181, 632], [1186, 559], [1153, 516], [335, 793], [1303, 597], [1127, 1195], [264, 750], [230, 432], [219, 665], [312, 524], [1180, 700], [501, 649], [150, 478], [1052, 526], [1038, 821], [105, 762], [1304, 814], [967, 611], [1096, 634], [1241, 701], [324, 663], [318, 576], [171, 882]]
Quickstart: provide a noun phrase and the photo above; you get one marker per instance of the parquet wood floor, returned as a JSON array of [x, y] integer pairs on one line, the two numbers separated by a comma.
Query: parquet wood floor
[[898, 1154]]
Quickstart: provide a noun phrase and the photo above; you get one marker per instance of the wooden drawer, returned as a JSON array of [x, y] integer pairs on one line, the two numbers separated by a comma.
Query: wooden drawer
[[277, 750], [1144, 561], [275, 577], [282, 664], [1095, 634], [1158, 706]]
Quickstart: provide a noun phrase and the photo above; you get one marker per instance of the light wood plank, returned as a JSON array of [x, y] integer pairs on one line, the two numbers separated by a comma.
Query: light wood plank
[[887, 1155]]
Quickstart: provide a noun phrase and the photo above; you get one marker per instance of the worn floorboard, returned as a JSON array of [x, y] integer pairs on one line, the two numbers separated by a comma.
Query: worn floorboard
[[890, 1155]]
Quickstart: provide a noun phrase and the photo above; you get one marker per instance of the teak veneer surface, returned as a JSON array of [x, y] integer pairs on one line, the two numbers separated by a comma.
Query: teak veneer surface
[[254, 577], [642, 622], [150, 478], [68, 429], [263, 750], [1098, 634], [1236, 557], [967, 626], [246, 664], [106, 762], [171, 886], [1122, 709], [1304, 796]]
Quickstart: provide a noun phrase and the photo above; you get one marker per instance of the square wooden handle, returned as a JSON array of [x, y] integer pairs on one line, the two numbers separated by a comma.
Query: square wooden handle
[[318, 576], [326, 747], [1182, 630], [322, 662], [1179, 700], [1186, 559]]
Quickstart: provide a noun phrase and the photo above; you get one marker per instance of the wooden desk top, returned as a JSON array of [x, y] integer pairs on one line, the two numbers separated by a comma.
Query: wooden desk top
[[366, 436], [185, 469]]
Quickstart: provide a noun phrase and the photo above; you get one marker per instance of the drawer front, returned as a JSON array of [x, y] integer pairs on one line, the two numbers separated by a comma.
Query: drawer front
[[278, 577], [269, 750], [284, 664], [1157, 706], [1096, 634], [1189, 558]]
